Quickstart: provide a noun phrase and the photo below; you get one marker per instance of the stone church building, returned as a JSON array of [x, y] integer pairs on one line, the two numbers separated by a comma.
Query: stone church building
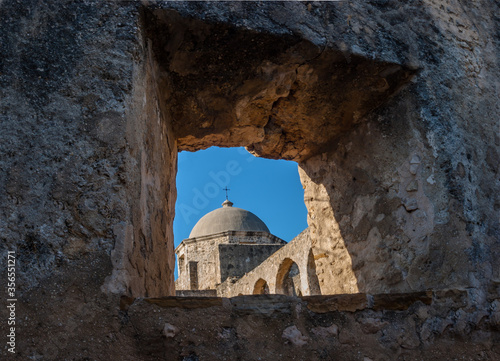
[[225, 244], [228, 245]]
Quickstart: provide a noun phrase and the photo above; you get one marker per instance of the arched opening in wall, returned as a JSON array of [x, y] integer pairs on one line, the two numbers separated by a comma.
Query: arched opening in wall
[[291, 100], [235, 213], [261, 287], [288, 279]]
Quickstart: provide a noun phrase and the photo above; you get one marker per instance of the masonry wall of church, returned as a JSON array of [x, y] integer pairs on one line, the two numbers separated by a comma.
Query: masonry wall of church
[[238, 259], [254, 237], [206, 254], [297, 250]]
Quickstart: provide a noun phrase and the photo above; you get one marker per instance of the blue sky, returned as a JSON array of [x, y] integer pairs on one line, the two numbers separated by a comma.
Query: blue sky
[[271, 189]]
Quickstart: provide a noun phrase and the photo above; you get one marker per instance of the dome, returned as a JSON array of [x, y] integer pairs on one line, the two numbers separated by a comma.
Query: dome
[[228, 218]]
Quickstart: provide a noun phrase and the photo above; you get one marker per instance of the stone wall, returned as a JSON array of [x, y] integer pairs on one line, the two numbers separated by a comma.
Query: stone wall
[[439, 325], [142, 257], [85, 158], [406, 199], [426, 185], [389, 164], [87, 155], [273, 269], [205, 252], [387, 107], [238, 259], [390, 107]]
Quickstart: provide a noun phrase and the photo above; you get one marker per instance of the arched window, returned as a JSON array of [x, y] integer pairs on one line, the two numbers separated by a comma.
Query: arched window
[[288, 278], [261, 287]]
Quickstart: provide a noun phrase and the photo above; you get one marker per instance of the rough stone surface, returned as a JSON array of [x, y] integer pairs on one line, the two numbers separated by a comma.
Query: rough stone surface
[[389, 107], [86, 155], [282, 95], [257, 326]]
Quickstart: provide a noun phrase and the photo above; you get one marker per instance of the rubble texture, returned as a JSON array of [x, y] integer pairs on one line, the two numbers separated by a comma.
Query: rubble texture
[[441, 325], [389, 107]]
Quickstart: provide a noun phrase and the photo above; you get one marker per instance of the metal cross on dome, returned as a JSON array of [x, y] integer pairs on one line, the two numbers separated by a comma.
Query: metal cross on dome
[[226, 189]]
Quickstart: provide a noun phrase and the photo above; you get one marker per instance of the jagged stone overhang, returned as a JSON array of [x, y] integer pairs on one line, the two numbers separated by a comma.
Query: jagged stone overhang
[[277, 94]]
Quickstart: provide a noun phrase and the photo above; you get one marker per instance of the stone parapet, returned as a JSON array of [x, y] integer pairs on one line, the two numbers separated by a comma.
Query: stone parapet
[[409, 326]]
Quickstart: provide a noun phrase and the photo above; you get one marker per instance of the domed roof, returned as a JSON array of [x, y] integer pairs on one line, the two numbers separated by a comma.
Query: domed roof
[[228, 218]]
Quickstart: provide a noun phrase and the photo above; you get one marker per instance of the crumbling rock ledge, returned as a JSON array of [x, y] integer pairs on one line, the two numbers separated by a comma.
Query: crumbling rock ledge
[[317, 304], [280, 95]]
